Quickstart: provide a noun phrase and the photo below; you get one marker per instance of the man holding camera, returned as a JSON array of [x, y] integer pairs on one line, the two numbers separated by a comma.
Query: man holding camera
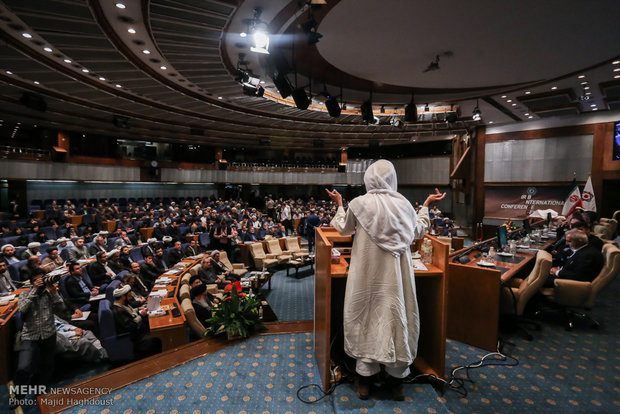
[[38, 336]]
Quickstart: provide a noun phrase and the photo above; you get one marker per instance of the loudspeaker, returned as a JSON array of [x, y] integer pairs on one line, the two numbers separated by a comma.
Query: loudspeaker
[[411, 113], [121, 121], [332, 107], [367, 114], [283, 85], [301, 99], [33, 101]]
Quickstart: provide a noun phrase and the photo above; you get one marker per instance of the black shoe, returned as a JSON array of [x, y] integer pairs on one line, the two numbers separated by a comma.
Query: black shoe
[[362, 387], [395, 385]]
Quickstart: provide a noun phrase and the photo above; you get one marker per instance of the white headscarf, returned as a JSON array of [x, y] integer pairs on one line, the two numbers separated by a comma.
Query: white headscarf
[[386, 215]]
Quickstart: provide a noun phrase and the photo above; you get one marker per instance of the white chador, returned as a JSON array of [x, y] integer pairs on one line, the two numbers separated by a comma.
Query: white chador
[[381, 318]]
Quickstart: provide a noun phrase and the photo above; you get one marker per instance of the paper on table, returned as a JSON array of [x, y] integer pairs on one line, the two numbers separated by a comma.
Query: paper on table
[[418, 265], [162, 292], [83, 317], [98, 297]]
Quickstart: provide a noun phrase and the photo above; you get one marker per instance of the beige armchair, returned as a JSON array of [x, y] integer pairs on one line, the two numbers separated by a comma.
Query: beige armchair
[[518, 292], [568, 294], [238, 269], [261, 259], [292, 245], [190, 315], [273, 246], [184, 291], [606, 229]]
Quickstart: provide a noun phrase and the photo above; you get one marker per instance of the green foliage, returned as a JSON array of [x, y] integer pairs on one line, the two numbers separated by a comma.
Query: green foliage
[[237, 313]]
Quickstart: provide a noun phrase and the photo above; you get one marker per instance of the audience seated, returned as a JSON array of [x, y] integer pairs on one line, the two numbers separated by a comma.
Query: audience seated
[[78, 290], [53, 260], [77, 344], [584, 262], [100, 272], [79, 251]]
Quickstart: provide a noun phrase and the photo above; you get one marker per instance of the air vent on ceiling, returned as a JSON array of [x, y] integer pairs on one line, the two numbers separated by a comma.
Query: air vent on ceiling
[[554, 99], [557, 112]]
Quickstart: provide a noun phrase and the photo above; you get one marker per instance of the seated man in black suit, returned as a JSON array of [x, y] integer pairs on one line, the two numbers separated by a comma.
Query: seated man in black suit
[[141, 286], [584, 264], [100, 272], [176, 254], [202, 301], [79, 293], [98, 247], [133, 322], [149, 271], [209, 275], [193, 249], [149, 248]]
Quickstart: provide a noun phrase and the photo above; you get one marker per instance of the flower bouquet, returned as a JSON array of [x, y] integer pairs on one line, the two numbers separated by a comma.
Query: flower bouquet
[[236, 314], [510, 226]]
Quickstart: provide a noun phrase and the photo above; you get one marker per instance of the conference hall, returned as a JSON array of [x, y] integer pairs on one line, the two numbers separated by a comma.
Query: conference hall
[[169, 237]]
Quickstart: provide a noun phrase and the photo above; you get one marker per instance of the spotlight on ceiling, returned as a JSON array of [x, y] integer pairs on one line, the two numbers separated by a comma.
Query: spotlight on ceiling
[[476, 115], [411, 111], [426, 108], [366, 110], [332, 106], [301, 99], [282, 85], [375, 121], [259, 32]]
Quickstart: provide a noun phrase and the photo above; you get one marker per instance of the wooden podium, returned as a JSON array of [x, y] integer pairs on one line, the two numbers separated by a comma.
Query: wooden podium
[[329, 288]]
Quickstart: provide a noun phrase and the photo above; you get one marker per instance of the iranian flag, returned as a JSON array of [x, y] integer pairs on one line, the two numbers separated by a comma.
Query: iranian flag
[[587, 198], [573, 200]]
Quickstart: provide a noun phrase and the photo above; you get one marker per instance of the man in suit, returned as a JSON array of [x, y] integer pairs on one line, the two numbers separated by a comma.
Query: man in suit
[[99, 271], [78, 292], [193, 249], [149, 248], [584, 264], [141, 286], [99, 246], [176, 254], [78, 251], [149, 271], [8, 253], [7, 285], [53, 260], [209, 275]]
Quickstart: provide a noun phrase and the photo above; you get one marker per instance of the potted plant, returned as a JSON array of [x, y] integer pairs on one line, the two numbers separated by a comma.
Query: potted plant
[[237, 314]]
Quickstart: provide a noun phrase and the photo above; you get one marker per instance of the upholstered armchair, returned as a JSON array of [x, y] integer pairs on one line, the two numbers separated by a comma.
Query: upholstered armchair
[[238, 269], [518, 292], [190, 316], [570, 294], [292, 245], [273, 246], [262, 260]]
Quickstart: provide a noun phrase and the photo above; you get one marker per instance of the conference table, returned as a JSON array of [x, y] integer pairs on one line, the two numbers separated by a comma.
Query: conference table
[[474, 292]]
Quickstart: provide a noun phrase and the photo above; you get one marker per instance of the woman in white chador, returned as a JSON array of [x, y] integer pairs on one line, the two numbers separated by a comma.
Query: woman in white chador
[[381, 321]]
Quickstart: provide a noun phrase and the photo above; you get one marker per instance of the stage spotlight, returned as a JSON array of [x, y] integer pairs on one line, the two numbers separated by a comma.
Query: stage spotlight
[[426, 108], [476, 115], [301, 99], [261, 42], [366, 110], [332, 107], [375, 121], [411, 112], [282, 85], [451, 117]]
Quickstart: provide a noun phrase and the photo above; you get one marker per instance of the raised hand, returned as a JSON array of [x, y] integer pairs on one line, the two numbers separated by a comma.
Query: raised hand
[[433, 198], [335, 196]]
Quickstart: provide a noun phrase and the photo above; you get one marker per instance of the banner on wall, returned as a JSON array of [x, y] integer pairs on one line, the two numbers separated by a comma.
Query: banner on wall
[[520, 201]]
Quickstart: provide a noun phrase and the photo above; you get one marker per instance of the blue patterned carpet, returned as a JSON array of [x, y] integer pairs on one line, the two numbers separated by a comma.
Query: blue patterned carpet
[[558, 372]]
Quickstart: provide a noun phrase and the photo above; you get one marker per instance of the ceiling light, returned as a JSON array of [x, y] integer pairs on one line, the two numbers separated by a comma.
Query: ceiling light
[[581, 76], [527, 92], [584, 83], [67, 60], [261, 42], [85, 70], [146, 52], [531, 116], [617, 70], [615, 62], [490, 122], [586, 87], [47, 49], [8, 72], [514, 104], [120, 5], [588, 93], [553, 88], [219, 97], [101, 78], [243, 34], [27, 35], [617, 77], [527, 114], [37, 82], [503, 96], [118, 85], [476, 114], [509, 100], [593, 105], [163, 67], [595, 109], [131, 30]]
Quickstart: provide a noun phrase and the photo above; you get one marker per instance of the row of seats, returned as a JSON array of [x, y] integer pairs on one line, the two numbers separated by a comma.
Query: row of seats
[[274, 254]]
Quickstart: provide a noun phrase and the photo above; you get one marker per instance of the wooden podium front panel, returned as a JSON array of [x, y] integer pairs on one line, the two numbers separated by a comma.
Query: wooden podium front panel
[[322, 307]]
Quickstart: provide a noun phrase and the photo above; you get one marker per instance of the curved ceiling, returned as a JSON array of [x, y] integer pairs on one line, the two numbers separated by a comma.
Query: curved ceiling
[[169, 66]]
